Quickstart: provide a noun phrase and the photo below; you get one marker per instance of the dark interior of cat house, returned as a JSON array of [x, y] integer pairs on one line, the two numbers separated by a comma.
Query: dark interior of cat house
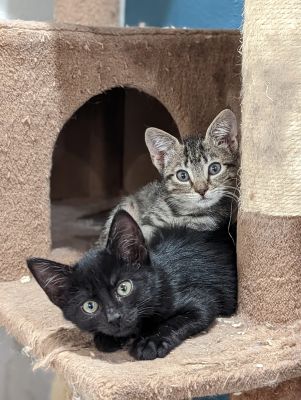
[[100, 155]]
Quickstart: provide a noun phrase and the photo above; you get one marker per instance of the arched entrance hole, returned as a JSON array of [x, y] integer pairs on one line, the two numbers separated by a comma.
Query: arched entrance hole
[[99, 156]]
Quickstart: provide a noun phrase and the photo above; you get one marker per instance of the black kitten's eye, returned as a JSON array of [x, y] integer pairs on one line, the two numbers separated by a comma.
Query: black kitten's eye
[[182, 175], [90, 307], [124, 288], [214, 168]]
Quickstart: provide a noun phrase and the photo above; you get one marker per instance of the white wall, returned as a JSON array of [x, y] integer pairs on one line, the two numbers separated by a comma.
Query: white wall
[[35, 10]]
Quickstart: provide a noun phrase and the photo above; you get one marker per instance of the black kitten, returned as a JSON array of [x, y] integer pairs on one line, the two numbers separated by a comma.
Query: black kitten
[[159, 295]]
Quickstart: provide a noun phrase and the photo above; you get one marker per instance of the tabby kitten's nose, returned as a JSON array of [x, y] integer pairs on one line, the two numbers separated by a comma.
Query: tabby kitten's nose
[[202, 191], [113, 316]]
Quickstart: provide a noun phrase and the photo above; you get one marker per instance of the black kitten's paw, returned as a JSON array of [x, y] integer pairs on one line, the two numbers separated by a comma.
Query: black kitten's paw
[[107, 344], [151, 347]]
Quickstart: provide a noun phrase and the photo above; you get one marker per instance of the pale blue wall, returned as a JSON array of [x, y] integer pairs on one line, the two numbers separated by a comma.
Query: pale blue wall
[[211, 14]]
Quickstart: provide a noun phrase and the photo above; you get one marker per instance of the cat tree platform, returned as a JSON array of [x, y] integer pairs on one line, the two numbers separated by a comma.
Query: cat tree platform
[[234, 356]]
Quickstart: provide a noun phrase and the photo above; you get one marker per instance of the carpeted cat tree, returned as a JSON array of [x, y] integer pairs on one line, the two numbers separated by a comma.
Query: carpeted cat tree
[[48, 71]]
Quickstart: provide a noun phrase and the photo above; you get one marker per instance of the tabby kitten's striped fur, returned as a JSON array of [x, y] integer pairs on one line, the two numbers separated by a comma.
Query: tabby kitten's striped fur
[[198, 180]]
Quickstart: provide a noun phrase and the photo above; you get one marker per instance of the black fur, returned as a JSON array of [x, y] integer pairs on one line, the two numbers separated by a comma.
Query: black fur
[[181, 283]]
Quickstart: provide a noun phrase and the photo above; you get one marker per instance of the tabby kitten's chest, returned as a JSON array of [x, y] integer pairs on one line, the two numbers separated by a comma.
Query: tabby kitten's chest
[[150, 223]]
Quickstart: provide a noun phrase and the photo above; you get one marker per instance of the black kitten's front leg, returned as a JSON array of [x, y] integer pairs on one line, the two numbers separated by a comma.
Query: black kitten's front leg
[[168, 335], [108, 344]]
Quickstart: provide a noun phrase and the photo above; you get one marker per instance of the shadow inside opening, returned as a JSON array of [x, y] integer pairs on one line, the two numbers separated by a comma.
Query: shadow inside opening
[[100, 156]]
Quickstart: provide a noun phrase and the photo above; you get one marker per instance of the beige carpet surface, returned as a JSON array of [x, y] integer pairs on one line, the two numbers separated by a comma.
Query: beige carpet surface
[[233, 356]]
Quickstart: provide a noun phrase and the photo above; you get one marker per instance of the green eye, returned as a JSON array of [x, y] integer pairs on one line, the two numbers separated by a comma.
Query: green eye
[[90, 307], [125, 288], [214, 168], [182, 175]]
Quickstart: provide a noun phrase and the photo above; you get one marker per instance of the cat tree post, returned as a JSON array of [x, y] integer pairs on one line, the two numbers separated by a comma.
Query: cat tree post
[[269, 239]]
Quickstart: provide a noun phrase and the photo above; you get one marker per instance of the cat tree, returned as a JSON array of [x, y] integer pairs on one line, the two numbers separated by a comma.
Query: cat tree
[[49, 71]]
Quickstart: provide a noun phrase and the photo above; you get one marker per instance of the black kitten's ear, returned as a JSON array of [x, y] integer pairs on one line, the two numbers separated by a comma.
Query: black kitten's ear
[[161, 146], [223, 130], [126, 240], [53, 278]]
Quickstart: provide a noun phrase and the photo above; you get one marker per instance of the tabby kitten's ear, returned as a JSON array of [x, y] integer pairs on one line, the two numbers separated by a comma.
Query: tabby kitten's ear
[[53, 278], [161, 146], [223, 131], [126, 240]]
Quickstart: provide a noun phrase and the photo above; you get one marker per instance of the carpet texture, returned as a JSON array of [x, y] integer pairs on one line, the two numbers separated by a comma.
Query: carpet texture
[[269, 222]]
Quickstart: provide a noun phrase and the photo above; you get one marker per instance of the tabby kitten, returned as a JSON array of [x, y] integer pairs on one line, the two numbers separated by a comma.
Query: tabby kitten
[[157, 295], [198, 180]]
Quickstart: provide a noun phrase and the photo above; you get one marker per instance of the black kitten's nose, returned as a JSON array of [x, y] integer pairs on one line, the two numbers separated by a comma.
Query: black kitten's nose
[[113, 316]]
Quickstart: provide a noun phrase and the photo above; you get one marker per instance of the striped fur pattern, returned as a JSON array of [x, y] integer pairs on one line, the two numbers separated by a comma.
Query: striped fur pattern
[[204, 201]]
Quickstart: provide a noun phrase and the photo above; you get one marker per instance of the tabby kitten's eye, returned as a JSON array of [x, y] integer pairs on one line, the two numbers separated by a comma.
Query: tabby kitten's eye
[[125, 288], [90, 307], [214, 168], [182, 175]]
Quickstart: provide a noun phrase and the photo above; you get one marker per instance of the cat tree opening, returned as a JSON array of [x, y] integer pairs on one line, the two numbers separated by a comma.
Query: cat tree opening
[[99, 156]]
